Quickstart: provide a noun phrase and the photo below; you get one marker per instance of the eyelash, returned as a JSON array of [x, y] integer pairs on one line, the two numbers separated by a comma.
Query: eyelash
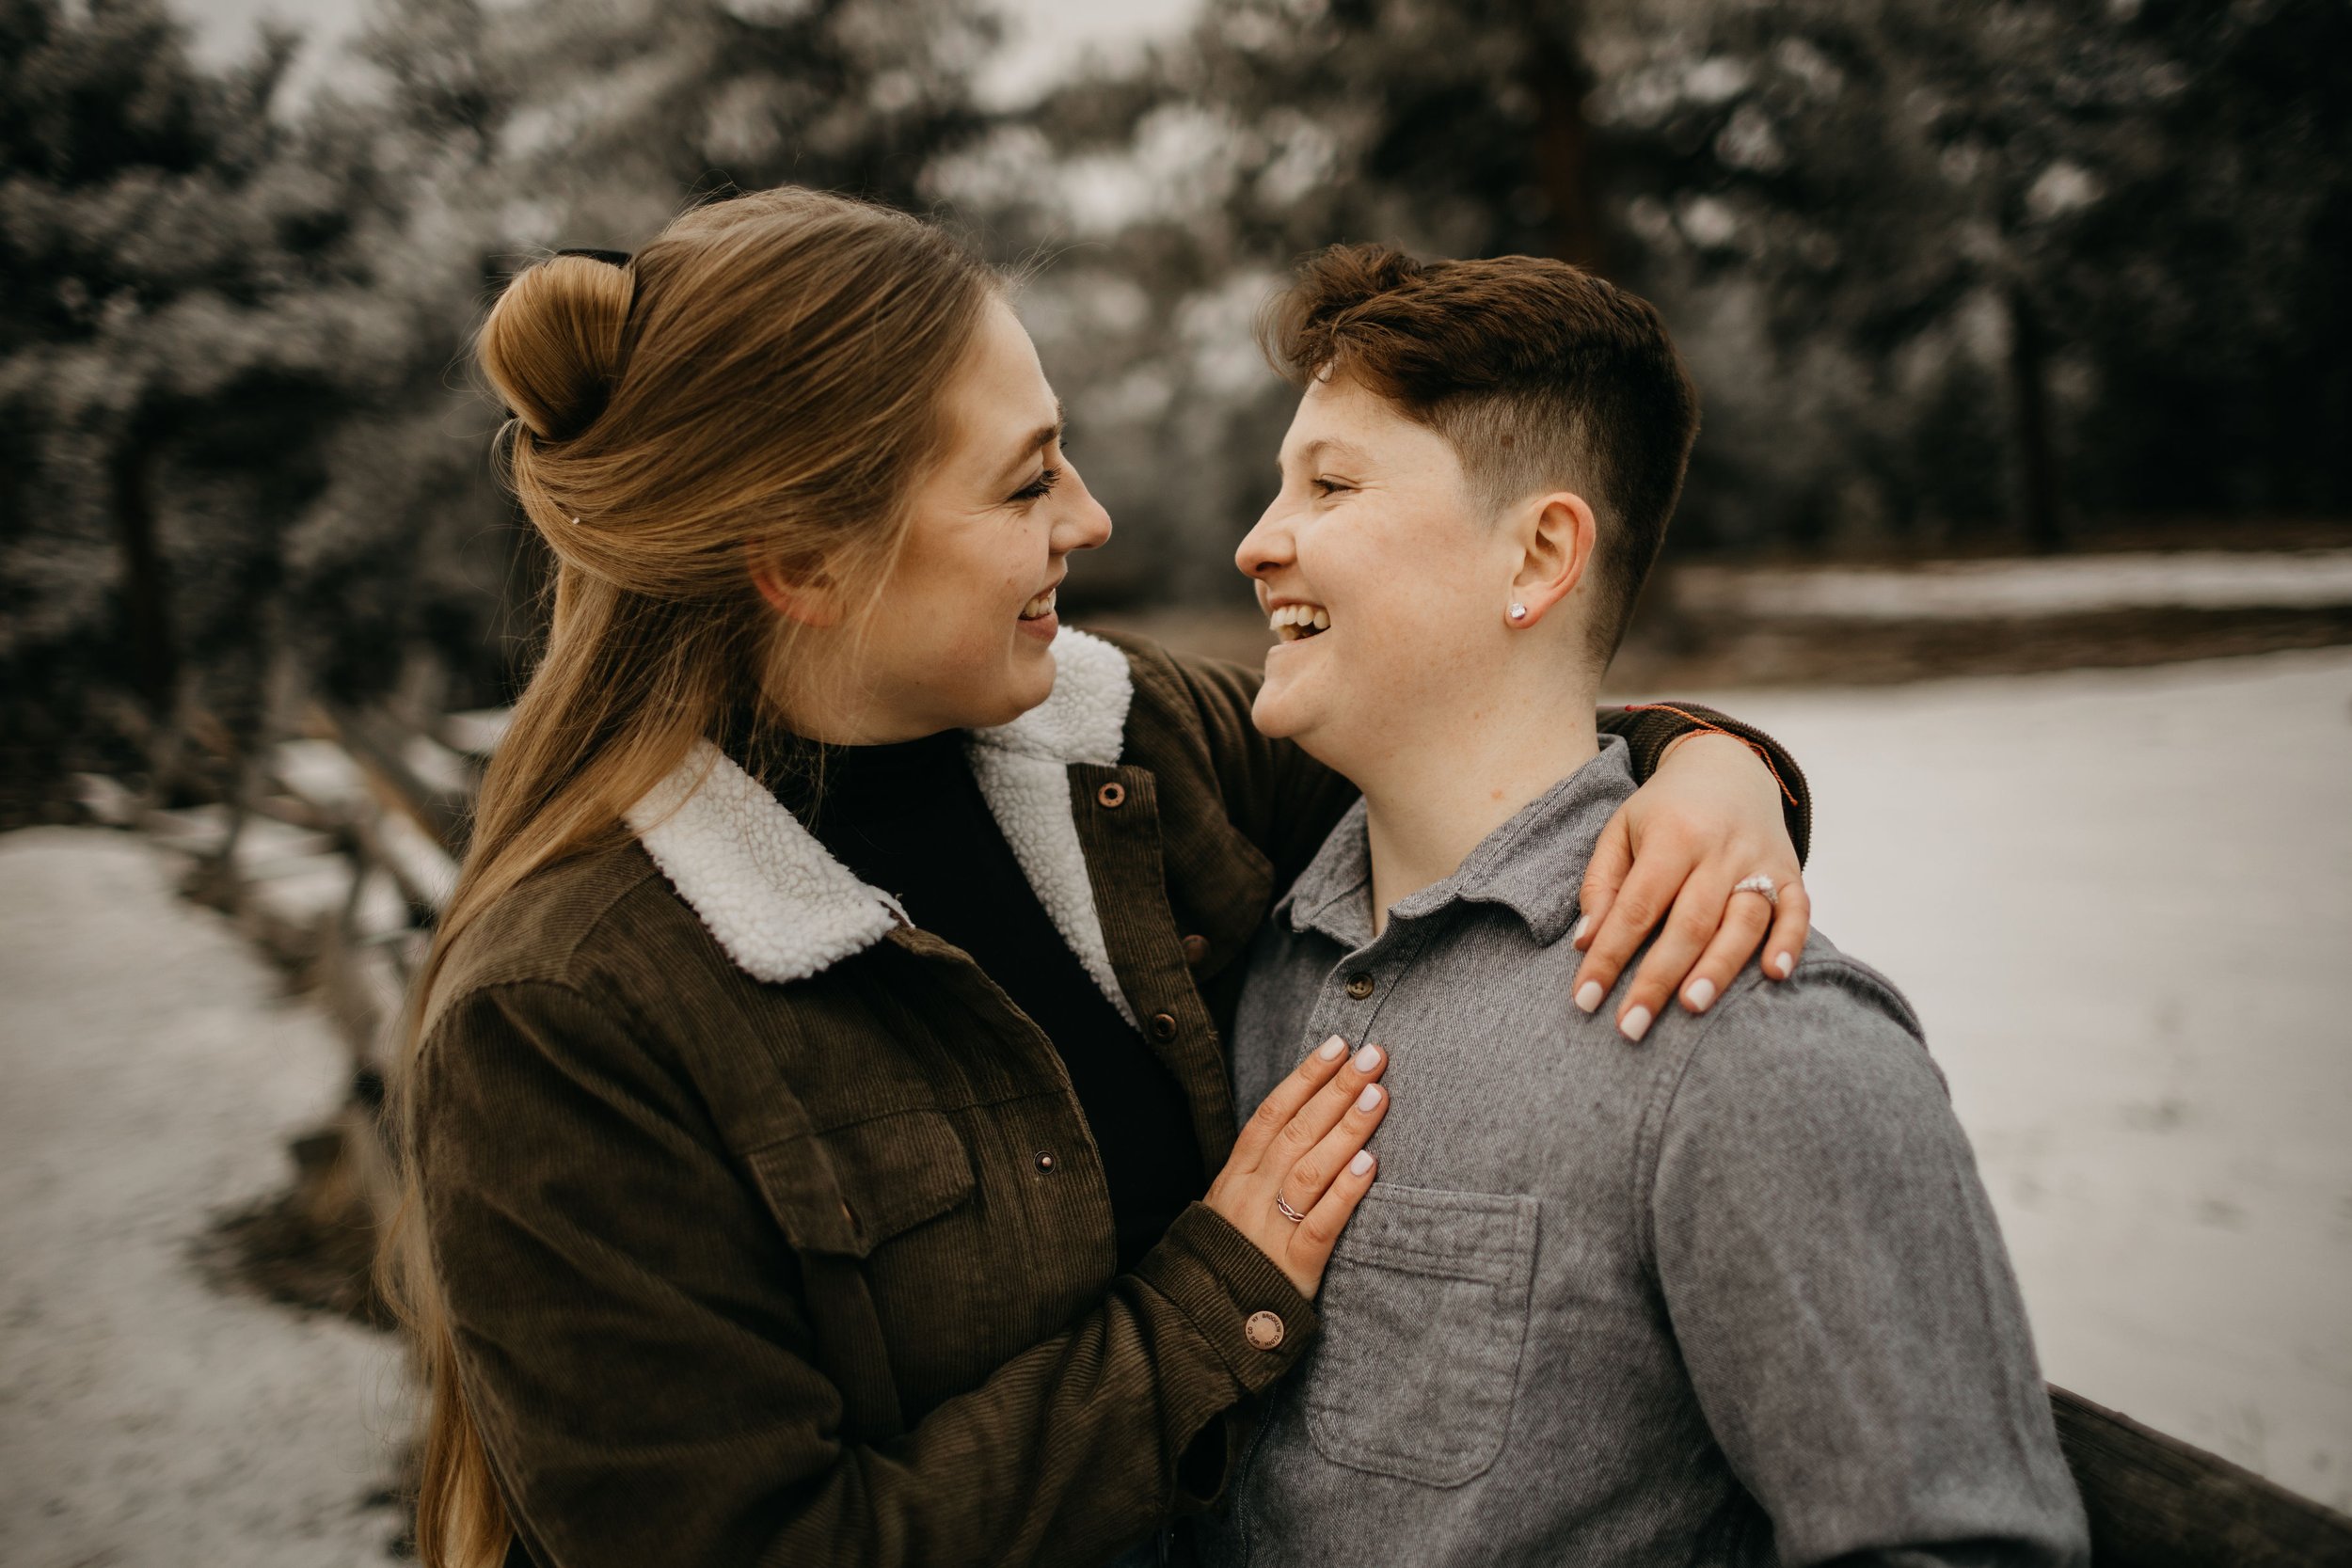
[[1329, 485], [1038, 488]]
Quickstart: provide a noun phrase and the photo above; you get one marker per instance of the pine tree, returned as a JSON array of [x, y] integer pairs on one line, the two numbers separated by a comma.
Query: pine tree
[[1934, 265], [184, 321], [237, 428]]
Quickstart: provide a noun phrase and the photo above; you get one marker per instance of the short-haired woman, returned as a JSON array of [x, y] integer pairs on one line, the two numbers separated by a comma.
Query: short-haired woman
[[818, 1070], [1732, 1296]]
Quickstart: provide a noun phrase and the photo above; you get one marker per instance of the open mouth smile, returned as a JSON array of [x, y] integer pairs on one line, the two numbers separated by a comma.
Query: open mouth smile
[[1295, 622], [1040, 607]]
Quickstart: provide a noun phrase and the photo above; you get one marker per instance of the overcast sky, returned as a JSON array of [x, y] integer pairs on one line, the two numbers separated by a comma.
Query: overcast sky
[[1045, 37]]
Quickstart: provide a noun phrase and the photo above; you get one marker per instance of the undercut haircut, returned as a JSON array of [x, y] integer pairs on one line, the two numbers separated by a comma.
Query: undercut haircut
[[1539, 375]]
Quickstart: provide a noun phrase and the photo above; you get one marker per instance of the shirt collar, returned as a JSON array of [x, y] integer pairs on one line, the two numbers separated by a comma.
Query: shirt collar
[[1533, 864]]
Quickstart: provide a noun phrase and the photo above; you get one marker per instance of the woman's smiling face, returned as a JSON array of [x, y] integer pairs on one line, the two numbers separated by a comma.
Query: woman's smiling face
[[1375, 542], [961, 635]]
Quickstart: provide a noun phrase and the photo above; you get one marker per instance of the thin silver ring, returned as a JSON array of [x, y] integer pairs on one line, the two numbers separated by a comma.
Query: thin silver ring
[[1760, 884], [1288, 1213]]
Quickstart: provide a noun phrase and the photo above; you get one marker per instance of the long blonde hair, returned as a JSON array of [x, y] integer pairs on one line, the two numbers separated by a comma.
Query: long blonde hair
[[766, 374]]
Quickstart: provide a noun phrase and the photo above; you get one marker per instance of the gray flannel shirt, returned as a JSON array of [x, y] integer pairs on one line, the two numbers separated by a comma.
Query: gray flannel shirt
[[1731, 1295]]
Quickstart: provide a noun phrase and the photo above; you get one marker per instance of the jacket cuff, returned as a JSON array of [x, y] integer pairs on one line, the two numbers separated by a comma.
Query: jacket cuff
[[1240, 1301], [1650, 731]]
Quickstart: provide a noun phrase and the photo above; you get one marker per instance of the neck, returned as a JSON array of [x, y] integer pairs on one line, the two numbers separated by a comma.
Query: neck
[[1432, 796], [825, 706]]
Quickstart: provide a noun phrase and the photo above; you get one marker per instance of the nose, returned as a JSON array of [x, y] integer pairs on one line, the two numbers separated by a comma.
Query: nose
[[1268, 546], [1081, 524]]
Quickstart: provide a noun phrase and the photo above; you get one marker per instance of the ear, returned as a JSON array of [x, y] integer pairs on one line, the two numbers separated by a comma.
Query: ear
[[796, 588], [1556, 536]]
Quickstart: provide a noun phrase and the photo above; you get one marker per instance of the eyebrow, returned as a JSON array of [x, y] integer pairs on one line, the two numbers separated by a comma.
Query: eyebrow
[[1043, 436], [1326, 447]]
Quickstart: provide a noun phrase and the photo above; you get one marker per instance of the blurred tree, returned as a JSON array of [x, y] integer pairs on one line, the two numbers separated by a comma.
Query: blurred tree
[[2215, 288], [512, 129], [1933, 265], [2056, 169], [1275, 127], [597, 121], [182, 324], [232, 341]]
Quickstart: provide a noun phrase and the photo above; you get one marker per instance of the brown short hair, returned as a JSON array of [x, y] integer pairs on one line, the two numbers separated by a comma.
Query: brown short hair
[[1540, 374]]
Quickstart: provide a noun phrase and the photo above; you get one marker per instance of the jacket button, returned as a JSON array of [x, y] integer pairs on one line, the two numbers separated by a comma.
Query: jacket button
[[1112, 795], [1360, 985], [1264, 1330], [1044, 1163], [1195, 949], [1163, 1026]]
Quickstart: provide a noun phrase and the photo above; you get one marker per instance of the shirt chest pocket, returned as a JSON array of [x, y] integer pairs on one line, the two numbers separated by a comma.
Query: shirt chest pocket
[[1424, 1311]]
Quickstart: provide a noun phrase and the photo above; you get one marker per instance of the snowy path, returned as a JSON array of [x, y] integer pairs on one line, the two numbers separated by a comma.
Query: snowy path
[[2130, 938], [151, 1077]]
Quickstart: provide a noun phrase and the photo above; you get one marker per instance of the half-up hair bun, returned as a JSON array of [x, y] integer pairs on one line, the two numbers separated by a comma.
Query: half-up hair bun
[[551, 346]]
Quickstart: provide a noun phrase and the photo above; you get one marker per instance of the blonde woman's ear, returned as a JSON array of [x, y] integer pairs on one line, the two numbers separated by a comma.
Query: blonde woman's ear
[[797, 588]]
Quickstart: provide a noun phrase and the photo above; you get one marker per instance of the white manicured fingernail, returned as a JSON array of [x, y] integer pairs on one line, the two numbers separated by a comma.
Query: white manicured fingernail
[[1361, 1163], [1699, 993], [1331, 1049], [1368, 1058], [1783, 964], [1370, 1098], [1583, 924], [1635, 1023], [1588, 996]]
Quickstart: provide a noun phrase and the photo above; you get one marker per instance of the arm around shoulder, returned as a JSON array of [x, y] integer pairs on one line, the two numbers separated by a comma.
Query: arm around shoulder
[[1286, 801], [636, 1346], [1839, 1286], [1650, 728]]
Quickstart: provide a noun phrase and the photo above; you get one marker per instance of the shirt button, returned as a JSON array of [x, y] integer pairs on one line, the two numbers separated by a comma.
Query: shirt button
[[1360, 985], [1264, 1330], [1044, 1163], [1195, 949], [1113, 795], [1163, 1026]]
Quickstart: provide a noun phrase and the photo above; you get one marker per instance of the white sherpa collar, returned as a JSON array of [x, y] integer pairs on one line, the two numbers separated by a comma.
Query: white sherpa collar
[[784, 909]]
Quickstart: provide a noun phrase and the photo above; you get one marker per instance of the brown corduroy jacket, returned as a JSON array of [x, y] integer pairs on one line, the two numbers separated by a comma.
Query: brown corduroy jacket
[[771, 1229]]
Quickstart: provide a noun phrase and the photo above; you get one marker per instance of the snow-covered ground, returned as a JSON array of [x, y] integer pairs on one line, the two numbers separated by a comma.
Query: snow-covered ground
[[1982, 590], [148, 1076], [2122, 902]]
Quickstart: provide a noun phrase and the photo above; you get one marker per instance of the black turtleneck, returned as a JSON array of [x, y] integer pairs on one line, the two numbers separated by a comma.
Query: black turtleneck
[[910, 820]]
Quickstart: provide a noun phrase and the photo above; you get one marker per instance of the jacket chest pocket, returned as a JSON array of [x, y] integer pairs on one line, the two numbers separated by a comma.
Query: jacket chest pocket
[[850, 1191], [851, 1203], [1424, 1311]]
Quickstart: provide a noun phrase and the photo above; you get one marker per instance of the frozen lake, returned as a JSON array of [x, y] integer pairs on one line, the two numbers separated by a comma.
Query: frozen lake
[[2122, 902]]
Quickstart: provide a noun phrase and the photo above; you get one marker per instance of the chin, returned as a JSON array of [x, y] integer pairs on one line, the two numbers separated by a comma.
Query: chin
[[1028, 682], [1280, 716], [1266, 712]]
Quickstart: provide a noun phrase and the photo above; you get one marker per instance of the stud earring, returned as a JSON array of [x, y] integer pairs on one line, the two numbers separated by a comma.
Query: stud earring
[[1519, 612]]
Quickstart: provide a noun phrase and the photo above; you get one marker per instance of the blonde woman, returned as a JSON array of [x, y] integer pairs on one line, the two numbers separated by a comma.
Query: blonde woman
[[818, 1074]]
